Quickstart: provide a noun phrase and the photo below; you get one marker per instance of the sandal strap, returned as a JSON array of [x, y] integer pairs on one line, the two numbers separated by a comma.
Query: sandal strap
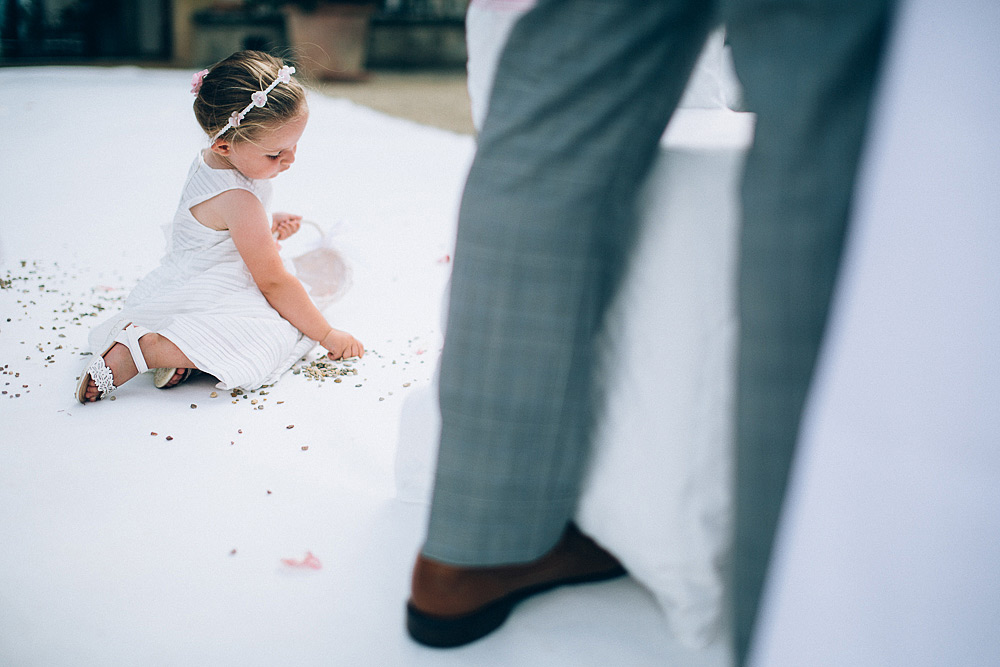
[[129, 337], [102, 376]]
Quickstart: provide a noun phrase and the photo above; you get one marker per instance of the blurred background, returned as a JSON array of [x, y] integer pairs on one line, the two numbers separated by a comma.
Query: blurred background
[[188, 33], [403, 57]]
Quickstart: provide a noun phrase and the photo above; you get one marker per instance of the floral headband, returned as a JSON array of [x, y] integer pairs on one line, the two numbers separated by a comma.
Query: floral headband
[[258, 99]]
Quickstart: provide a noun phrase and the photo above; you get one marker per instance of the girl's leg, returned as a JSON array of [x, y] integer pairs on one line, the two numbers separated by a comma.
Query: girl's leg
[[158, 351]]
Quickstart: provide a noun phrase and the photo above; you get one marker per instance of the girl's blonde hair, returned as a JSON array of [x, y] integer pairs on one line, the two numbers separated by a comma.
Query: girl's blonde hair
[[227, 89]]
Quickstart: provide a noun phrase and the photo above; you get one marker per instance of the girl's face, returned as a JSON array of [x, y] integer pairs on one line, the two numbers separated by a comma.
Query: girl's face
[[269, 154]]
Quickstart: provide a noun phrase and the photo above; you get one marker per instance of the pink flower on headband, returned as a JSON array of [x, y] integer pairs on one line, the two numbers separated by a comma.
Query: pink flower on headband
[[196, 81], [235, 118], [285, 74], [259, 98]]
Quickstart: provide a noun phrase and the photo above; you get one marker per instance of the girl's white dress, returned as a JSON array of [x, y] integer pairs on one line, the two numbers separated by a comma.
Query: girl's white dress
[[203, 298]]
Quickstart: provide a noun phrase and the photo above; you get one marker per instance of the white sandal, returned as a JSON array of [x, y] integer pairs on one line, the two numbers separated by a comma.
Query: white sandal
[[99, 371]]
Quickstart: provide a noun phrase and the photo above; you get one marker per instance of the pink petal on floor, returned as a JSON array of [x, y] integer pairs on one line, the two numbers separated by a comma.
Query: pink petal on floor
[[309, 561]]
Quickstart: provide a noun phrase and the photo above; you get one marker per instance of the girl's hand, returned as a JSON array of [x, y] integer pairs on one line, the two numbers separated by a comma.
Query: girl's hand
[[342, 345], [285, 224]]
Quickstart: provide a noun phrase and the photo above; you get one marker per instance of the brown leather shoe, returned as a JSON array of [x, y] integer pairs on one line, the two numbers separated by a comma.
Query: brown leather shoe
[[451, 606]]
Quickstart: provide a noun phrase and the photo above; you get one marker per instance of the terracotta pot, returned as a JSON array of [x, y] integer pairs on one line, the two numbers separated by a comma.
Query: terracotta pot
[[330, 42]]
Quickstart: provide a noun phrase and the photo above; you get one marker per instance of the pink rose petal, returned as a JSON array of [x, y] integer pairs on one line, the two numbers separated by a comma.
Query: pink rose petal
[[309, 562]]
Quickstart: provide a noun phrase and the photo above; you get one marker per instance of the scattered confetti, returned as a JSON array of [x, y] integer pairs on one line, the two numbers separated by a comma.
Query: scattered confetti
[[44, 301], [324, 367]]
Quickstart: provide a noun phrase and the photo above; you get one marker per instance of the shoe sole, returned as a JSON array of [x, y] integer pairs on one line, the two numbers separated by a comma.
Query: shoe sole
[[454, 631], [81, 386]]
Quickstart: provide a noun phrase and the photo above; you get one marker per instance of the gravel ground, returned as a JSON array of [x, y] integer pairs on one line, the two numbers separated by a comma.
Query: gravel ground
[[438, 98]]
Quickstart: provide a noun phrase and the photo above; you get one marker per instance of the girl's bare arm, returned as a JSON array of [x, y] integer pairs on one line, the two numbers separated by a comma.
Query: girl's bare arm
[[242, 213]]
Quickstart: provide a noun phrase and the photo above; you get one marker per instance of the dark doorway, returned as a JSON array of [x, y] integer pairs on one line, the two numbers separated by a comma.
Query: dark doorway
[[45, 31]]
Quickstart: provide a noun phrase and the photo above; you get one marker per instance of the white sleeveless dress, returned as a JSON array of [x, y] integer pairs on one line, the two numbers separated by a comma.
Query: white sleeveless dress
[[204, 300]]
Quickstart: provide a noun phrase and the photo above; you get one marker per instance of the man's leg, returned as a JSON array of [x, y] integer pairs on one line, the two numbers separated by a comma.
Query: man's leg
[[582, 95], [583, 92], [808, 70]]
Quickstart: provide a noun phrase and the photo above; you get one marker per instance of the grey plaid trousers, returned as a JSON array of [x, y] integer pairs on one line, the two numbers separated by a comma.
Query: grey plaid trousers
[[583, 93]]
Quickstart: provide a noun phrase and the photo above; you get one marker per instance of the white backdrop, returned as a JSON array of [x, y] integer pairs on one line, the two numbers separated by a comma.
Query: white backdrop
[[890, 547]]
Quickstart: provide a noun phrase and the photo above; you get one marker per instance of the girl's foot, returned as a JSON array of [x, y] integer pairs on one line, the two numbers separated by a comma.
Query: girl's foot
[[135, 349], [119, 361], [180, 374], [165, 378]]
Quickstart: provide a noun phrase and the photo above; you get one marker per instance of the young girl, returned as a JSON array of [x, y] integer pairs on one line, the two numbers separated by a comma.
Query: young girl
[[222, 300]]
